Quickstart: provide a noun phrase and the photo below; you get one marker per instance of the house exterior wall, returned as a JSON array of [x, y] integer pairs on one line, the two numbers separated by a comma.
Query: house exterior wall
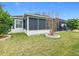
[[15, 29]]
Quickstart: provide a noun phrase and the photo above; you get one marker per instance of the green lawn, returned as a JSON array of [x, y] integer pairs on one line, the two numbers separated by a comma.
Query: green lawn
[[21, 44]]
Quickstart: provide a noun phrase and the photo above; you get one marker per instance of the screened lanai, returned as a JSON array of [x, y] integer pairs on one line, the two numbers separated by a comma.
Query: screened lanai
[[35, 24], [32, 24]]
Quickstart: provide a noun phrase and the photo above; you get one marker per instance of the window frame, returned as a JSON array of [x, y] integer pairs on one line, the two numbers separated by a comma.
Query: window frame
[[18, 20]]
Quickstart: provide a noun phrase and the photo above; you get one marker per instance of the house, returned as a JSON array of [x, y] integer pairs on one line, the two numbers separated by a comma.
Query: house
[[31, 24]]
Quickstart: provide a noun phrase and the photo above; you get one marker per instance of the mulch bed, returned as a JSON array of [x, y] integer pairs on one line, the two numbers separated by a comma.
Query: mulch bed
[[2, 38]]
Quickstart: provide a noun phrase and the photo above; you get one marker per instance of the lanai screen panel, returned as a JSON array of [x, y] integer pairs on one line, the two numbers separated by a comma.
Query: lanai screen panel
[[42, 24], [25, 24], [38, 24], [46, 25], [33, 23]]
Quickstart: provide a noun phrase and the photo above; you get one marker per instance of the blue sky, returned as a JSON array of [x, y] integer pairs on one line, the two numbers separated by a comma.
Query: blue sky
[[65, 10]]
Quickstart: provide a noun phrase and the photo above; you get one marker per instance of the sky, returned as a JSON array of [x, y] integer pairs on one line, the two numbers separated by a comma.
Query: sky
[[64, 10]]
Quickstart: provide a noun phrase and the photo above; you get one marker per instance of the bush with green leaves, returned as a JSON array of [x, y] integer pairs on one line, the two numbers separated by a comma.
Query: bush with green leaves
[[5, 22], [72, 24]]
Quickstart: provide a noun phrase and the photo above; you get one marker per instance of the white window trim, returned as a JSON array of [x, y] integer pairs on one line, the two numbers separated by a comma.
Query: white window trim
[[16, 22]]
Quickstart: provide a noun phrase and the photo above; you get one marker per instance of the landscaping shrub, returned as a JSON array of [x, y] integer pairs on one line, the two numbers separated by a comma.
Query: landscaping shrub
[[72, 24], [5, 22]]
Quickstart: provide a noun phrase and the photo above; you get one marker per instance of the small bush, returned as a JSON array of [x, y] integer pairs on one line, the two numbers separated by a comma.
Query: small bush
[[72, 24], [5, 22]]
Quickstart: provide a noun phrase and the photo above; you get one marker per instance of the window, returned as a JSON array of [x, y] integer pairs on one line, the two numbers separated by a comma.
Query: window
[[19, 23]]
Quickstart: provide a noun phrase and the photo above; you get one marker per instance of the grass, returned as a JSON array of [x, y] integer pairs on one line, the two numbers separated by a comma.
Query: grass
[[39, 45]]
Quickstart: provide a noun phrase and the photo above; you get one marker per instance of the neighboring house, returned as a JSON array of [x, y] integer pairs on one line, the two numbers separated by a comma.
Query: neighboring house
[[30, 24]]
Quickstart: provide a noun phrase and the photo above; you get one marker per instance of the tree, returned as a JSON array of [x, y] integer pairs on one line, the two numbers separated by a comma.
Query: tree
[[78, 23], [52, 25], [5, 22], [72, 24]]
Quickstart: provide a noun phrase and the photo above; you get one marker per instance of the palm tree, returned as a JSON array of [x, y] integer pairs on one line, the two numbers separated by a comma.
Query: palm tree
[[52, 24]]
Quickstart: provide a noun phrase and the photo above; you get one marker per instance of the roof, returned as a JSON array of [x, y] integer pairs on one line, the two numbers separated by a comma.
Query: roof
[[36, 15], [17, 17]]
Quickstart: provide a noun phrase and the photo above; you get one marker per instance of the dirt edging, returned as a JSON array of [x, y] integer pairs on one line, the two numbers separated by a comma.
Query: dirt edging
[[5, 38]]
